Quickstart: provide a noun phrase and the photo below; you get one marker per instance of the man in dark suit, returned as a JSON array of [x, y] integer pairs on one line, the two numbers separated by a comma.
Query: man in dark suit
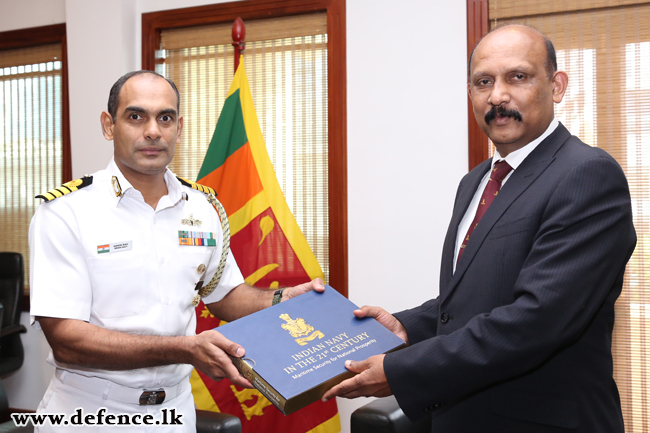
[[519, 339]]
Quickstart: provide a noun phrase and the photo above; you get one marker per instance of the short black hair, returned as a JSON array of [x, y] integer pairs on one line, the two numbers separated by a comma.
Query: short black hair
[[551, 58], [114, 95]]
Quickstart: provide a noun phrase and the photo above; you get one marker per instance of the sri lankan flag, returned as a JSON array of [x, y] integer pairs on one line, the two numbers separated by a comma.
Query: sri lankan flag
[[270, 250]]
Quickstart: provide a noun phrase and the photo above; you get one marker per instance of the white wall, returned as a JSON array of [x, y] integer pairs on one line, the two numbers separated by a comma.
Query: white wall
[[407, 144], [407, 136], [407, 147], [30, 13]]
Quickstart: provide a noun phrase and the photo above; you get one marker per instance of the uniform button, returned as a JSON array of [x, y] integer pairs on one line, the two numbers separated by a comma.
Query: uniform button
[[444, 317], [201, 268]]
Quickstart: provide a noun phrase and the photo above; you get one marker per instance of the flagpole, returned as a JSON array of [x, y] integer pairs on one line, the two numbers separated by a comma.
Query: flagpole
[[238, 36]]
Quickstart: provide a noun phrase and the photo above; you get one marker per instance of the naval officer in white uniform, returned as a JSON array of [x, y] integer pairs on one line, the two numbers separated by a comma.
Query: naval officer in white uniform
[[115, 261]]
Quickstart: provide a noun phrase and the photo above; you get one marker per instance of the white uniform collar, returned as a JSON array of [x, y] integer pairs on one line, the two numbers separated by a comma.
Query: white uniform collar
[[120, 185], [174, 188], [514, 159]]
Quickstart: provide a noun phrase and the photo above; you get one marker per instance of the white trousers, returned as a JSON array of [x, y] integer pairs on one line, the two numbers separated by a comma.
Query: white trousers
[[64, 399]]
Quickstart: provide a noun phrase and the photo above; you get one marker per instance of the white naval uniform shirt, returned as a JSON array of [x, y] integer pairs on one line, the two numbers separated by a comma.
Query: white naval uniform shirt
[[146, 287]]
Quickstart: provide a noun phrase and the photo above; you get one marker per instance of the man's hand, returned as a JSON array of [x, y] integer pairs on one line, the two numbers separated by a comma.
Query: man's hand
[[81, 343], [291, 292], [369, 382], [244, 299], [385, 318], [210, 353]]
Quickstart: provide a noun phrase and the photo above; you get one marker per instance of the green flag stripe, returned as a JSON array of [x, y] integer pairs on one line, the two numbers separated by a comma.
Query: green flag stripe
[[229, 135]]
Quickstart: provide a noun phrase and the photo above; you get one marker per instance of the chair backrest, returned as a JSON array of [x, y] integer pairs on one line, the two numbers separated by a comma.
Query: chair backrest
[[12, 286]]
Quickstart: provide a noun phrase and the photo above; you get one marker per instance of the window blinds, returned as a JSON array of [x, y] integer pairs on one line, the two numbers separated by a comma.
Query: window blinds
[[30, 138]]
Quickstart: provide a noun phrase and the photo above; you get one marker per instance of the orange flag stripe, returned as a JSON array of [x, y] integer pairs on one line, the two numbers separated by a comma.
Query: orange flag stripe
[[235, 194]]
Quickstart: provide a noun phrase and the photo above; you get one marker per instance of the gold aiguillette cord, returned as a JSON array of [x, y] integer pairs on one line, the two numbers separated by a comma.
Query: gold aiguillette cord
[[225, 247]]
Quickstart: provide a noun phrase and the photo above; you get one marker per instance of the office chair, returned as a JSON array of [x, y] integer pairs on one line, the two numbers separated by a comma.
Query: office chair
[[12, 283], [9, 426], [385, 416], [216, 422]]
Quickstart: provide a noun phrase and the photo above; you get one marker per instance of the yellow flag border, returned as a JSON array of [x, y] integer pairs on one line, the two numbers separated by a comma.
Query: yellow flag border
[[255, 206], [270, 184], [331, 425], [202, 397]]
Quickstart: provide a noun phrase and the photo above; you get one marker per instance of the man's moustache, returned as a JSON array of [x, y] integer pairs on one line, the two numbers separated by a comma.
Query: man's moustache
[[149, 144], [502, 111]]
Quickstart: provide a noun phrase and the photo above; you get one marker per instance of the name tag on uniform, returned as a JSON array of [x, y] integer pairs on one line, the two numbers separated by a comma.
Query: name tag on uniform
[[115, 247], [206, 239]]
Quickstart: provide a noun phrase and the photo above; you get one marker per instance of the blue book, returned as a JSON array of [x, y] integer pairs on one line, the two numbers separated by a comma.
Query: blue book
[[296, 350]]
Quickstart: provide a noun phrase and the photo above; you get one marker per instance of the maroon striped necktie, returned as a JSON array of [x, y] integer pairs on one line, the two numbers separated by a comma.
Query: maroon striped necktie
[[499, 172]]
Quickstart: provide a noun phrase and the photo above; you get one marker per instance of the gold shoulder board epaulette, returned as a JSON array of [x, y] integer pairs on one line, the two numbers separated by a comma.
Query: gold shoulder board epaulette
[[66, 188], [197, 186]]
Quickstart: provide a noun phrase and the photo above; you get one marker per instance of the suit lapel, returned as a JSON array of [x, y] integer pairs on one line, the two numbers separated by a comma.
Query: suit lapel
[[529, 170], [465, 195]]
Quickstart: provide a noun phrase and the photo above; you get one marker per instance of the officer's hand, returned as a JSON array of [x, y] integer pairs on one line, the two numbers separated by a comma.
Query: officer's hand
[[291, 292], [385, 318], [369, 382], [209, 352]]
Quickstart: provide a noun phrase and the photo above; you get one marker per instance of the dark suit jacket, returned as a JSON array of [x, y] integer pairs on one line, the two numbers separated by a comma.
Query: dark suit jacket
[[519, 338]]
